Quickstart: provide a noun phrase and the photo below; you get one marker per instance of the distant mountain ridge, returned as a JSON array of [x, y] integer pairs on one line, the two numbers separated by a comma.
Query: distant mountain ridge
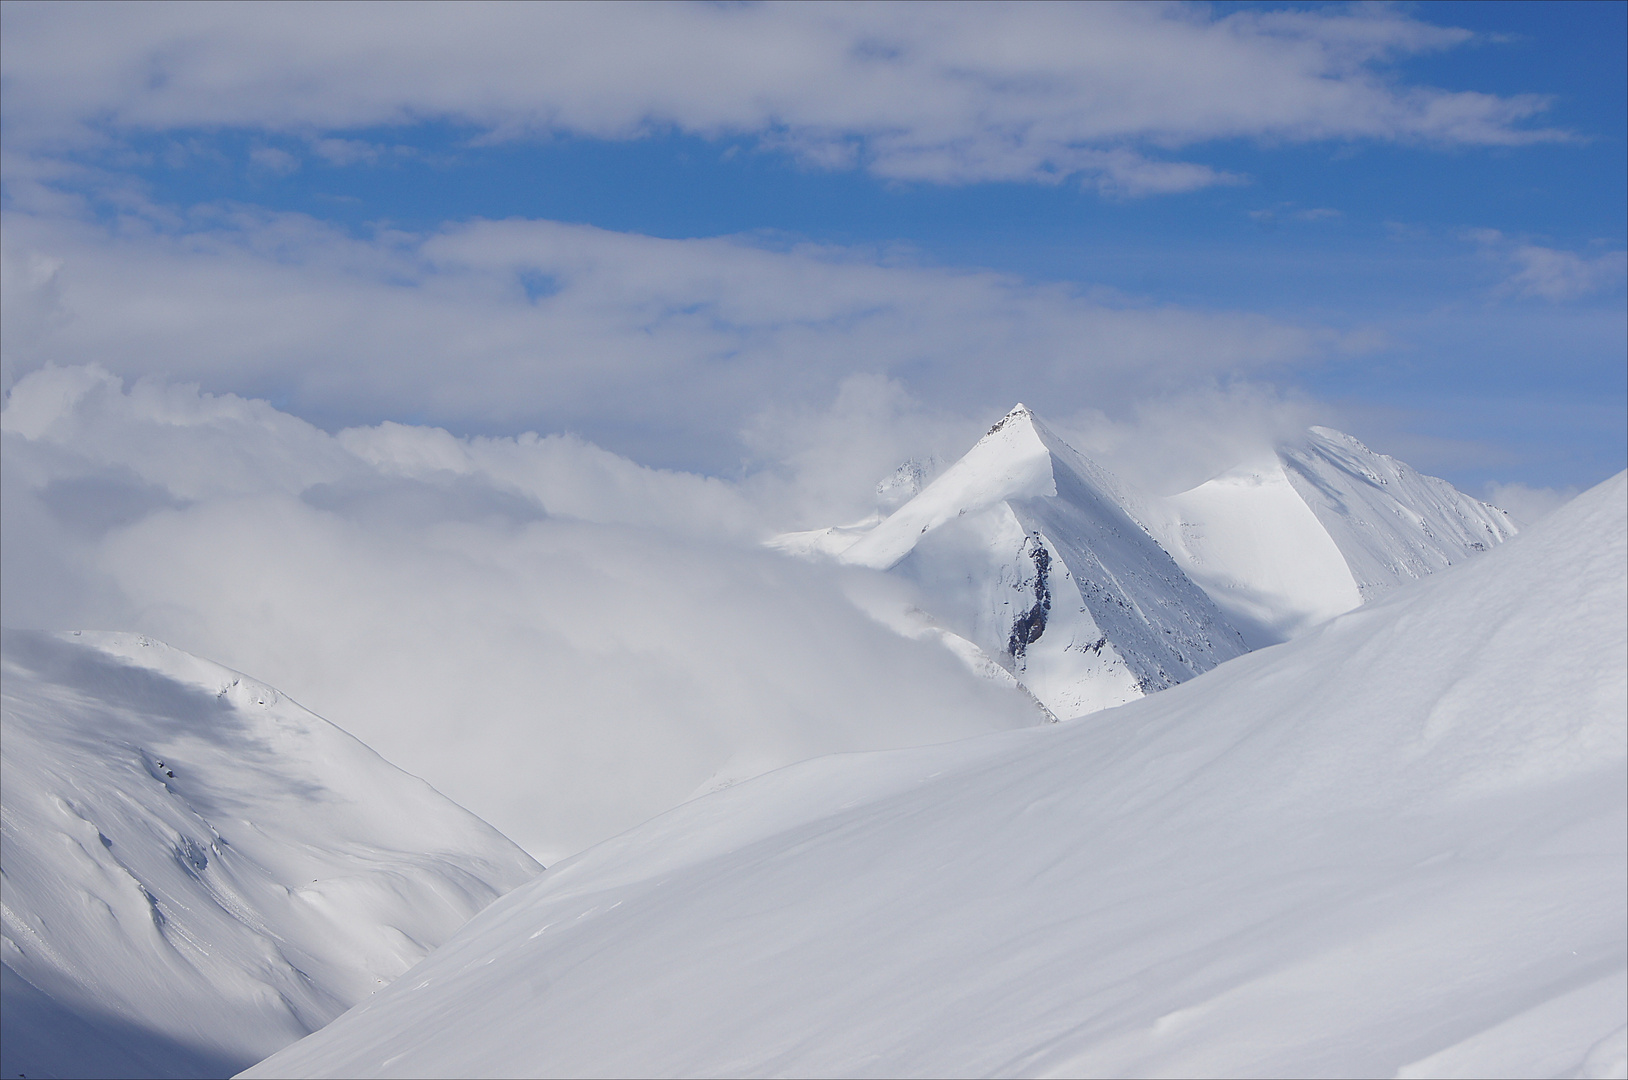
[[198, 870], [1323, 526], [1043, 564]]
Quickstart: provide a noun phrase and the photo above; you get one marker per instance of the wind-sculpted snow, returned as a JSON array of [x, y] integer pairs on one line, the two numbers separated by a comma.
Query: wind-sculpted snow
[[198, 871], [1392, 847]]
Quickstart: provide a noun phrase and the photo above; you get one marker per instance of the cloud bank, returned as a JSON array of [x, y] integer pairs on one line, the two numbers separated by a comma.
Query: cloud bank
[[665, 350], [563, 641], [1553, 274], [953, 94]]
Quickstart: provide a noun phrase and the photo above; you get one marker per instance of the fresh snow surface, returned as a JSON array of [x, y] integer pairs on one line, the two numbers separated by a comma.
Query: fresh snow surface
[[1024, 549], [1323, 526], [197, 870], [1392, 847], [1251, 542], [1392, 524]]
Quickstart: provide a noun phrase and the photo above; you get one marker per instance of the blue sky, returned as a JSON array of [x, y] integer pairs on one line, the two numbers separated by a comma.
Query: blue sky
[[1429, 253]]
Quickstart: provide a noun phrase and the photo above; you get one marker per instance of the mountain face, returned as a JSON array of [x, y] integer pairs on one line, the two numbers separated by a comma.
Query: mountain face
[[1381, 849], [197, 870], [1024, 548], [1036, 562], [1392, 523], [1324, 525]]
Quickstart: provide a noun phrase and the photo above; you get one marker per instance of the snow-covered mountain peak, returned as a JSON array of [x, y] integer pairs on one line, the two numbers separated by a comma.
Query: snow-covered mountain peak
[[1012, 460], [1167, 587], [1025, 548], [1019, 415]]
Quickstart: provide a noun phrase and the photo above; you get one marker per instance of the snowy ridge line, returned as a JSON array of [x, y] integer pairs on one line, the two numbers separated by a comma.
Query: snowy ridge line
[[1112, 617], [198, 870]]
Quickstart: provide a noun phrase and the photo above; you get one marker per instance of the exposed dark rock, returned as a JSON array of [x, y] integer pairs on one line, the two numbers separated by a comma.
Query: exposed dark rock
[[1028, 627]]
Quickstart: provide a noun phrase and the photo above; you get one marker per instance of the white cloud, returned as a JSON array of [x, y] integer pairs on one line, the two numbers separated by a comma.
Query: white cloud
[[1551, 273], [1564, 275], [560, 640], [1528, 504], [345, 151], [950, 93], [274, 160], [664, 349]]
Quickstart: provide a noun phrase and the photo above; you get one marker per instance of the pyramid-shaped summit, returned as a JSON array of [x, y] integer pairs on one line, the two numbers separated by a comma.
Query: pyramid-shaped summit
[[1025, 548]]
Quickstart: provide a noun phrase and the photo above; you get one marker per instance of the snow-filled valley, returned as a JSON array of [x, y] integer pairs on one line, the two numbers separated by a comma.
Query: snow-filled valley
[[1392, 847], [1053, 775]]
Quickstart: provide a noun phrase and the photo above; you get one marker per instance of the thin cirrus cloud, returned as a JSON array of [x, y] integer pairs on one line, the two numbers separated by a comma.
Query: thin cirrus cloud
[[1553, 274], [954, 94], [1564, 275]]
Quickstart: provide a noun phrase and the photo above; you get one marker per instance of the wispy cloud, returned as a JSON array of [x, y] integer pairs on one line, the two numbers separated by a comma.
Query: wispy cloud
[[957, 93], [1551, 273], [273, 160], [1565, 275], [1269, 217], [1527, 503]]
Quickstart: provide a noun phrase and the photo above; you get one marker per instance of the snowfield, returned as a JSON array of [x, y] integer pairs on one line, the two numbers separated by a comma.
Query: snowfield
[[1394, 846], [199, 871]]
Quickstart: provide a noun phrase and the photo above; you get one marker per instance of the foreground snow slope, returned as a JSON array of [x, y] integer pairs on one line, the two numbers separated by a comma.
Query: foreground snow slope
[[1394, 846], [198, 871]]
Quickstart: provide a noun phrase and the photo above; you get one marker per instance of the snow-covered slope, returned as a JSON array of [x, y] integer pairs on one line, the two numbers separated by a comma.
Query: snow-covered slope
[[1392, 524], [1392, 847], [1251, 542], [1024, 548], [198, 871], [1324, 525]]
